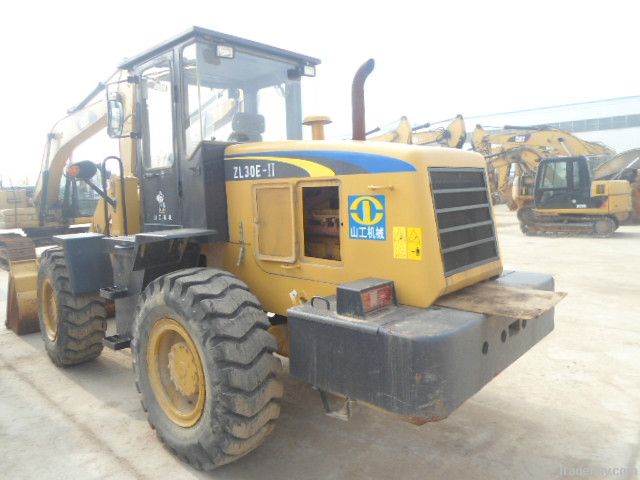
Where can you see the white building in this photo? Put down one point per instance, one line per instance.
(614, 121)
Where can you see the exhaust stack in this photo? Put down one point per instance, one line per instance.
(357, 99)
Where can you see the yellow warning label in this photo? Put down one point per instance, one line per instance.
(414, 243)
(399, 242)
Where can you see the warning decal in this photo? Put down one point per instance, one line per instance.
(414, 243)
(407, 243)
(399, 242)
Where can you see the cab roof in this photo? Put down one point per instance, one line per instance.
(203, 33)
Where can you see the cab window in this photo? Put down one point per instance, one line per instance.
(555, 175)
(246, 97)
(156, 92)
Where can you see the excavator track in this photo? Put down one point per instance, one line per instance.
(597, 226)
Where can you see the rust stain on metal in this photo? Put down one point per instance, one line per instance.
(438, 405)
(419, 421)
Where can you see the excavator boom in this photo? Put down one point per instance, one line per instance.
(453, 135)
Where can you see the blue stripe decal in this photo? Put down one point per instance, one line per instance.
(372, 162)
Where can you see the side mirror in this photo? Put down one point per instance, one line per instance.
(115, 115)
(83, 170)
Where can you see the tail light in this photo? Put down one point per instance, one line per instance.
(362, 297)
(376, 298)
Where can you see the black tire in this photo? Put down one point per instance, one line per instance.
(80, 322)
(229, 330)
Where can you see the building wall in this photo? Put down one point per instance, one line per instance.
(614, 122)
(620, 139)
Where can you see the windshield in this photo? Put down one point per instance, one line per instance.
(595, 161)
(76, 198)
(245, 98)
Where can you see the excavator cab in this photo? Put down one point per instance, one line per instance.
(77, 200)
(565, 183)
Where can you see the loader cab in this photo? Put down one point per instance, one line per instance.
(564, 183)
(197, 94)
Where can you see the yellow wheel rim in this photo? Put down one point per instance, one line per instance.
(50, 310)
(175, 372)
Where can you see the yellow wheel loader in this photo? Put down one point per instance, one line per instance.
(373, 266)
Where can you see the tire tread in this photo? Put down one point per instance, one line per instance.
(82, 318)
(233, 331)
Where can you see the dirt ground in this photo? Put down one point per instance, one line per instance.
(569, 408)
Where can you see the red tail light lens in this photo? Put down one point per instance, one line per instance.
(361, 297)
(377, 298)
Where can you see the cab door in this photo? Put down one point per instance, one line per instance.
(552, 185)
(580, 184)
(159, 170)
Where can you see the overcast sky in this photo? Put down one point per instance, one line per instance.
(433, 59)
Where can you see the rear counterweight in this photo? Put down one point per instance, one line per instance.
(415, 362)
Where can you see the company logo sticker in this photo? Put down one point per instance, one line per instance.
(367, 217)
(162, 215)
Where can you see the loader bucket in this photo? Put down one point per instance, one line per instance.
(22, 301)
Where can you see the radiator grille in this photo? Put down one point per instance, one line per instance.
(463, 211)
